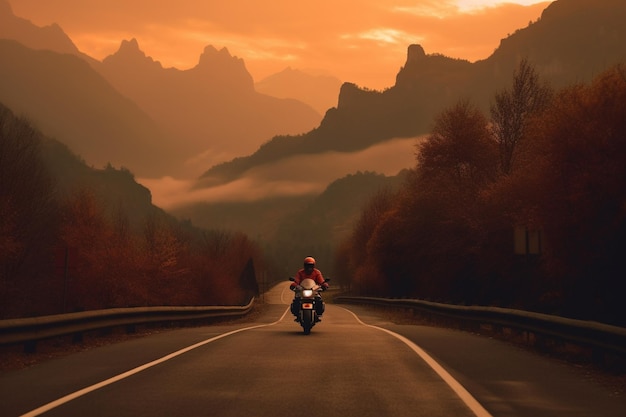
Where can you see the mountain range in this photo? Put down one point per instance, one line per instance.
(212, 108)
(572, 41)
(159, 121)
(183, 120)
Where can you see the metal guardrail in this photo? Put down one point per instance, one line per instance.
(602, 338)
(33, 329)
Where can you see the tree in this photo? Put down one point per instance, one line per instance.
(432, 220)
(458, 157)
(513, 109)
(578, 157)
(356, 258)
(87, 235)
(225, 267)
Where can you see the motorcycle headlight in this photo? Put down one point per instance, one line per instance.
(307, 293)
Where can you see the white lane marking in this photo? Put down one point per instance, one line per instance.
(283, 292)
(80, 393)
(456, 386)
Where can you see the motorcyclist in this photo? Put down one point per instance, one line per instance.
(308, 271)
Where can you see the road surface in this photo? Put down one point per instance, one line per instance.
(354, 363)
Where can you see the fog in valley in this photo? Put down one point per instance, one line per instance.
(297, 175)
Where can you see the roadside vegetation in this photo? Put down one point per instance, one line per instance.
(67, 244)
(522, 208)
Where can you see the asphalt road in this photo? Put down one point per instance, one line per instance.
(354, 363)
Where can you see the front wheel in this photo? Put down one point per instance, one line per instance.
(307, 321)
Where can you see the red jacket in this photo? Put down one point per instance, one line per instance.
(316, 276)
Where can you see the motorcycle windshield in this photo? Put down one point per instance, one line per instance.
(308, 284)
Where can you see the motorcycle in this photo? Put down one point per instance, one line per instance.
(307, 304)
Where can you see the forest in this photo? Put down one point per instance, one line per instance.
(63, 248)
(524, 207)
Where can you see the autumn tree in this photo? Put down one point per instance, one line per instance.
(354, 259)
(164, 251)
(432, 220)
(86, 234)
(226, 258)
(448, 233)
(457, 159)
(577, 167)
(513, 109)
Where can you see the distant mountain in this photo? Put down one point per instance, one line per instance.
(571, 42)
(318, 91)
(296, 224)
(213, 107)
(49, 37)
(116, 188)
(211, 112)
(52, 165)
(66, 99)
(326, 220)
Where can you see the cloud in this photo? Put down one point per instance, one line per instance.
(298, 175)
(385, 36)
(438, 9)
(471, 6)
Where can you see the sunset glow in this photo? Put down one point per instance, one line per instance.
(364, 42)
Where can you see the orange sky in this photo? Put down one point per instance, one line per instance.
(361, 41)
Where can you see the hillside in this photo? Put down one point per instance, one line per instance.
(66, 99)
(75, 238)
(289, 226)
(116, 189)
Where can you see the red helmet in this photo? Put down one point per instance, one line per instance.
(309, 261)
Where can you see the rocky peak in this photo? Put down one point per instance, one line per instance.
(415, 58)
(212, 56)
(420, 68)
(351, 96)
(130, 47)
(415, 53)
(130, 55)
(225, 69)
